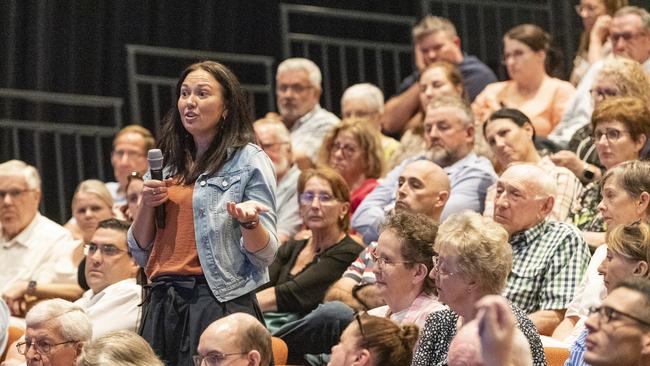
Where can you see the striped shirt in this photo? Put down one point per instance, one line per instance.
(577, 352)
(548, 262)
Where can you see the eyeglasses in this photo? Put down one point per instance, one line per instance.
(129, 154)
(41, 347)
(107, 250)
(608, 314)
(626, 36)
(611, 134)
(603, 93)
(383, 262)
(347, 150)
(306, 198)
(13, 193)
(357, 316)
(440, 271)
(297, 88)
(214, 359)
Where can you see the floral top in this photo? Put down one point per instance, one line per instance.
(586, 216)
(440, 329)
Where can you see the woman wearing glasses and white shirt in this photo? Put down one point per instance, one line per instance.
(304, 269)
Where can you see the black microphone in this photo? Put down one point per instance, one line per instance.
(155, 158)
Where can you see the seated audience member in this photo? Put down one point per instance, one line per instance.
(121, 348)
(449, 130)
(134, 186)
(367, 101)
(5, 315)
(511, 135)
(474, 260)
(531, 89)
(621, 127)
(129, 154)
(618, 330)
(435, 39)
(353, 149)
(91, 203)
(298, 91)
(549, 257)
(423, 189)
(303, 270)
(31, 242)
(375, 341)
(56, 333)
(236, 336)
(113, 301)
(594, 40)
(627, 201)
(619, 77)
(275, 140)
(627, 20)
(491, 339)
(439, 79)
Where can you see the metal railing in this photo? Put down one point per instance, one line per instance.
(62, 152)
(346, 58)
(481, 24)
(167, 63)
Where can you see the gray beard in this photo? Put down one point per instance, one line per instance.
(442, 157)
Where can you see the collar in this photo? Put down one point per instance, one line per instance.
(306, 117)
(530, 235)
(469, 159)
(23, 237)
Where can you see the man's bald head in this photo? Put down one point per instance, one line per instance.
(238, 333)
(423, 187)
(524, 197)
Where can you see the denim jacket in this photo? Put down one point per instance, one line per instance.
(230, 270)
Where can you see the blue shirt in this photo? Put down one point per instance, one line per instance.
(577, 352)
(469, 178)
(230, 270)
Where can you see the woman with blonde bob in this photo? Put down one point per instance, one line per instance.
(374, 341)
(119, 348)
(474, 260)
(353, 149)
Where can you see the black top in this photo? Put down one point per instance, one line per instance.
(302, 292)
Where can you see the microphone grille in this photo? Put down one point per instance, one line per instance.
(155, 158)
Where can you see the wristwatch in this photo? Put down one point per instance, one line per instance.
(587, 174)
(31, 288)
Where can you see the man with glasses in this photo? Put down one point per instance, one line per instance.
(618, 331)
(629, 33)
(548, 257)
(275, 140)
(298, 91)
(55, 335)
(129, 155)
(30, 242)
(238, 340)
(113, 301)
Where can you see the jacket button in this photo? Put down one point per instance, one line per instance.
(203, 183)
(224, 183)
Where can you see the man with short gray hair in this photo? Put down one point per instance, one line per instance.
(298, 90)
(30, 242)
(56, 332)
(549, 257)
(449, 132)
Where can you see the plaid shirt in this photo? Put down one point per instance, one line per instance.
(548, 262)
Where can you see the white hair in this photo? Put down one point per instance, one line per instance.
(302, 64)
(545, 183)
(370, 93)
(278, 127)
(13, 168)
(71, 319)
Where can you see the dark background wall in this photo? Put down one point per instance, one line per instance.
(78, 46)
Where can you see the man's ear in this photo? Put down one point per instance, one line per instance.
(254, 358)
(547, 206)
(443, 196)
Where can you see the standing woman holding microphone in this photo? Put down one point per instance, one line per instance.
(219, 234)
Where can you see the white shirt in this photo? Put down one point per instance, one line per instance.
(34, 252)
(114, 308)
(308, 132)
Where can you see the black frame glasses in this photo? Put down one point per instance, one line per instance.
(357, 316)
(608, 313)
(611, 134)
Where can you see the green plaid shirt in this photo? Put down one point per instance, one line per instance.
(548, 262)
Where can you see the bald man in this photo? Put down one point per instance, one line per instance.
(238, 338)
(549, 257)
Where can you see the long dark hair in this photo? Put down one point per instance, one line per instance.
(233, 132)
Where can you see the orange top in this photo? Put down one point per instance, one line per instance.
(174, 250)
